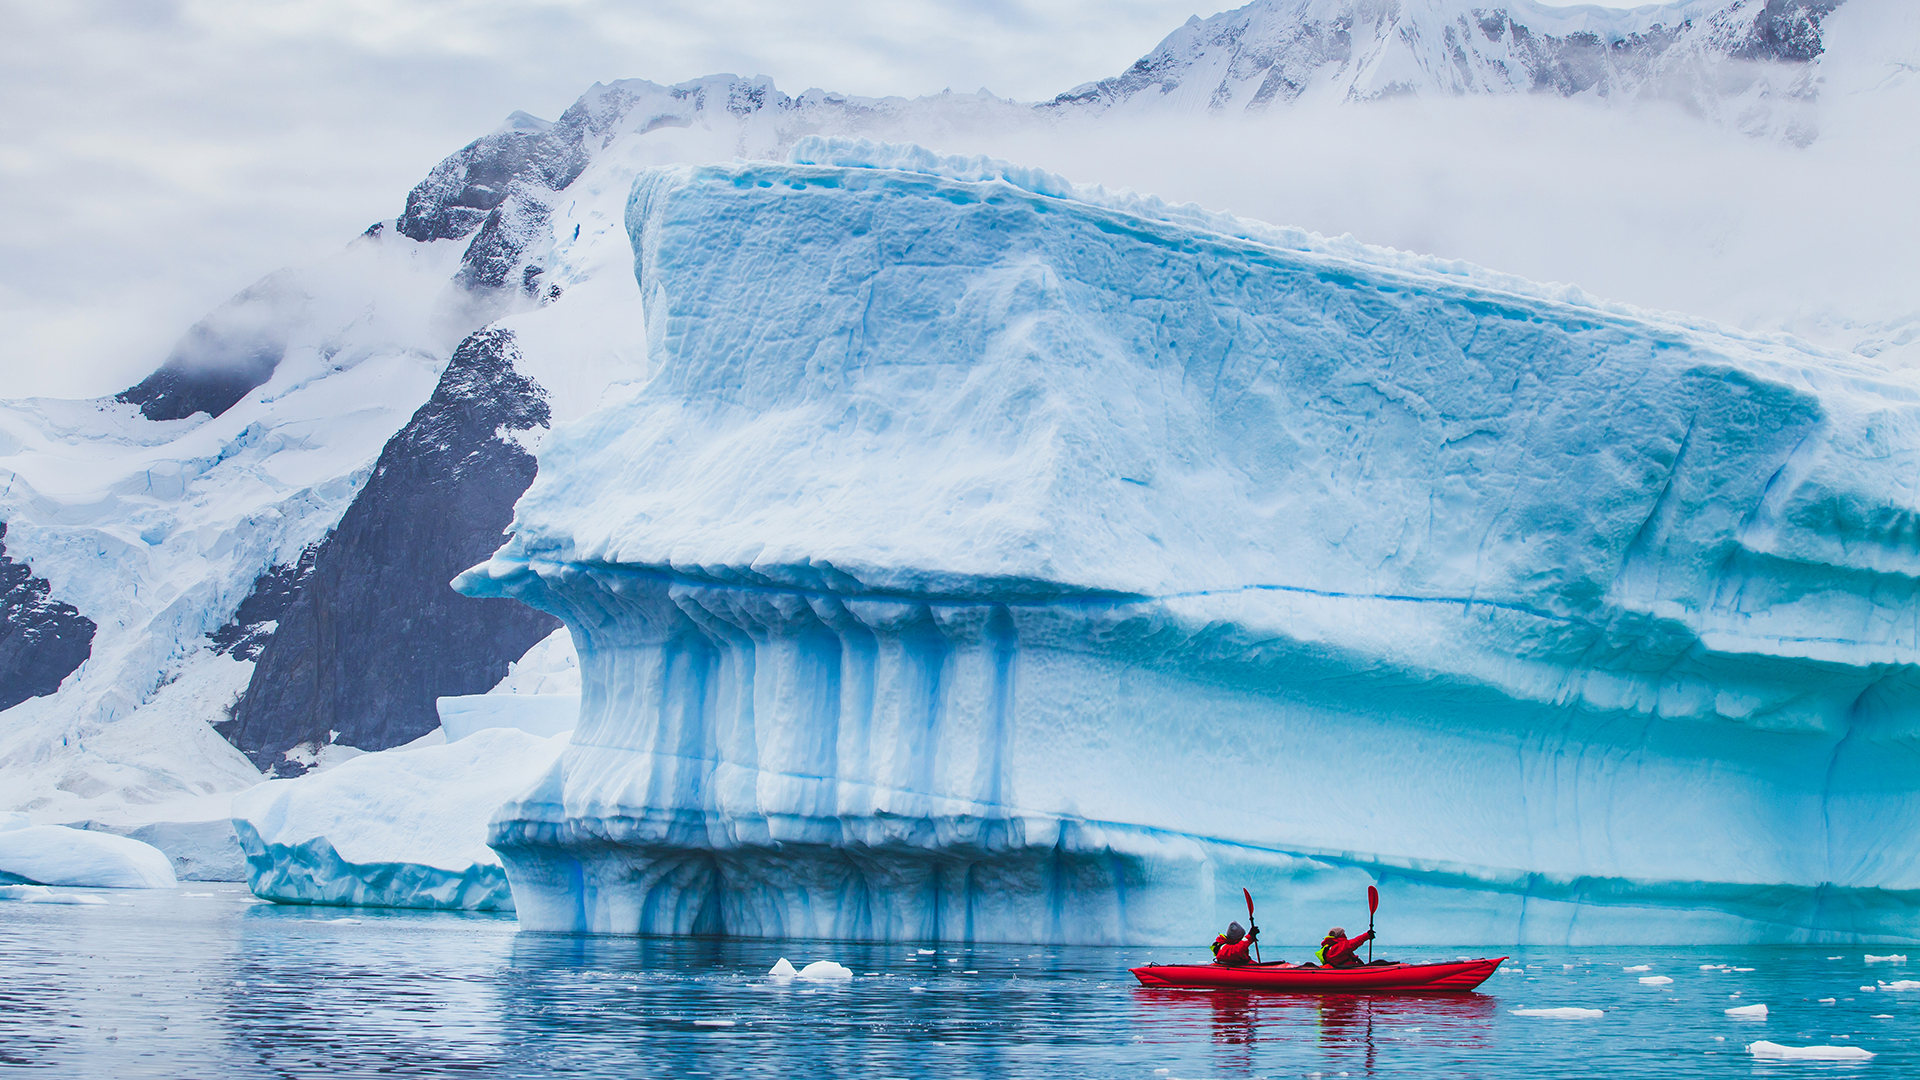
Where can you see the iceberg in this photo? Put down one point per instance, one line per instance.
(400, 828)
(993, 558)
(56, 855)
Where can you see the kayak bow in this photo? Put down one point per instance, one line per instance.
(1457, 977)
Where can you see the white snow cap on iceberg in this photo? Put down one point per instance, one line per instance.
(57, 855)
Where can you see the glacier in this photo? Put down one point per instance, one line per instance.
(988, 557)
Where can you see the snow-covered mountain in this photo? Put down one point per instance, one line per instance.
(259, 534)
(1747, 62)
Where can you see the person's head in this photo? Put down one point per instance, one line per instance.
(1336, 933)
(1235, 932)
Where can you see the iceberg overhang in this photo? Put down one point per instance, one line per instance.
(993, 558)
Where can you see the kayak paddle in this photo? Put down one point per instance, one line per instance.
(1256, 941)
(1373, 905)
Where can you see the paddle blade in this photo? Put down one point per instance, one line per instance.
(1249, 896)
(1373, 900)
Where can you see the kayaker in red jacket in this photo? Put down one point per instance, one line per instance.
(1337, 949)
(1231, 947)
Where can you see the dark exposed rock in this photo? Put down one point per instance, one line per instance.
(374, 634)
(224, 356)
(252, 626)
(42, 640)
(1785, 30)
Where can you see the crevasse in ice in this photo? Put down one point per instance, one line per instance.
(993, 558)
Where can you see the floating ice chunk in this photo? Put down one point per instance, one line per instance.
(1654, 980)
(782, 969)
(714, 1023)
(1836, 958)
(826, 971)
(1638, 967)
(1867, 989)
(1713, 967)
(343, 922)
(924, 952)
(57, 855)
(1900, 984)
(1827, 1001)
(1896, 958)
(1748, 1012)
(1881, 1016)
(1776, 1052)
(40, 894)
(1564, 1013)
(1742, 969)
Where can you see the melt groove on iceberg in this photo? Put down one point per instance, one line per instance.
(984, 548)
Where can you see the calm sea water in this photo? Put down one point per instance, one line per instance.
(204, 982)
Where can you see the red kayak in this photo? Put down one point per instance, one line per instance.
(1282, 976)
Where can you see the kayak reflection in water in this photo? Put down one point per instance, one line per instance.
(1337, 949)
(1232, 947)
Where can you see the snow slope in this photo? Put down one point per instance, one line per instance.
(994, 558)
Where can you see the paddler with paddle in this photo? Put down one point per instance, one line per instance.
(1337, 949)
(1231, 947)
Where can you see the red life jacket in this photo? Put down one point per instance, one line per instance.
(1232, 953)
(1336, 952)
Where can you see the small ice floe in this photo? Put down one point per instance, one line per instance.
(1770, 1051)
(970, 972)
(1638, 967)
(1900, 984)
(342, 922)
(826, 971)
(925, 952)
(1715, 967)
(1719, 1038)
(40, 894)
(1748, 1012)
(917, 989)
(1828, 1001)
(1895, 958)
(713, 1023)
(1836, 958)
(1740, 969)
(1563, 1013)
(1868, 989)
(1881, 1016)
(1654, 980)
(782, 969)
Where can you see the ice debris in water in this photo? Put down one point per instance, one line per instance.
(924, 952)
(1748, 1012)
(1776, 1052)
(1896, 958)
(716, 1023)
(1836, 958)
(1638, 967)
(783, 970)
(826, 971)
(40, 894)
(1881, 1016)
(1654, 980)
(1828, 1001)
(1900, 984)
(1566, 1013)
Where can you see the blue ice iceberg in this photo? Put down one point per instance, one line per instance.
(992, 558)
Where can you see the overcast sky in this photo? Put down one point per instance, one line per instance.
(157, 156)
